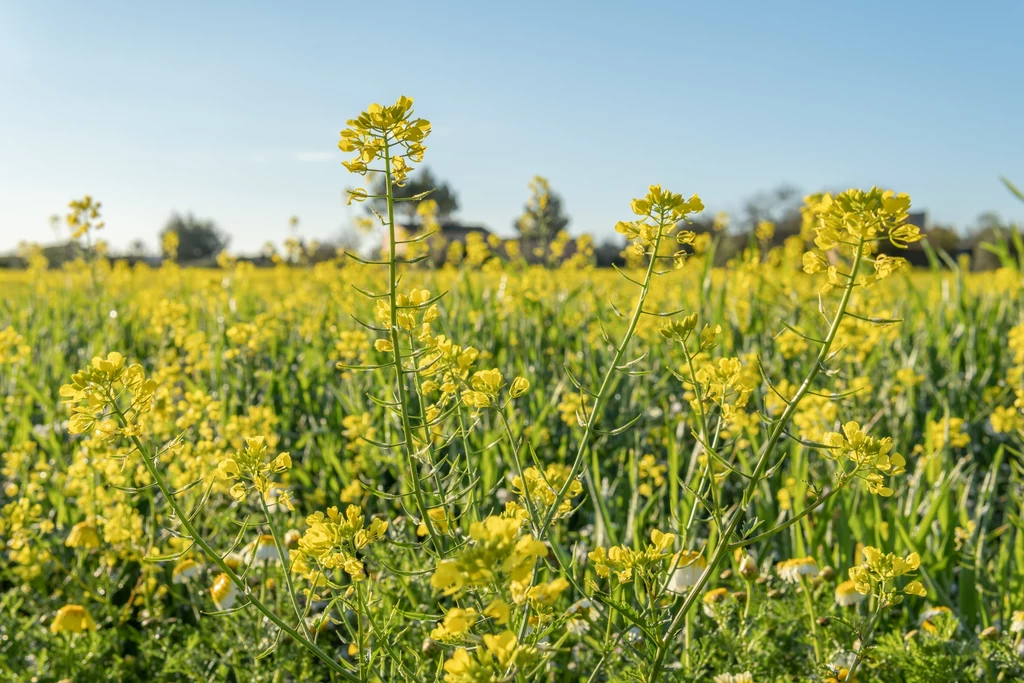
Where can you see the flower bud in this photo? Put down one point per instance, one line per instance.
(748, 568)
(520, 385)
(991, 633)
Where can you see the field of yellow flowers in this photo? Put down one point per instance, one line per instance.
(805, 466)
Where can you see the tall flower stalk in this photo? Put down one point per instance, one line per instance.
(389, 135)
(659, 214)
(849, 224)
(95, 395)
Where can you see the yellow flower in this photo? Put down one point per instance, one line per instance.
(848, 595)
(879, 571)
(540, 488)
(72, 619)
(662, 541)
(12, 348)
(499, 611)
(448, 577)
(1017, 621)
(460, 667)
(1006, 420)
(185, 571)
(333, 539)
(948, 432)
(281, 463)
(520, 385)
(502, 646)
(83, 535)
(794, 569)
(456, 623)
(380, 128)
(439, 520)
(223, 592)
(84, 216)
(496, 550)
(874, 457)
(540, 595)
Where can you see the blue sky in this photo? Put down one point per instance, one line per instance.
(232, 110)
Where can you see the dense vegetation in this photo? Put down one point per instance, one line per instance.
(803, 463)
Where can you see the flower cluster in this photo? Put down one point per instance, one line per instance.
(651, 475)
(873, 457)
(458, 621)
(854, 221)
(84, 216)
(878, 572)
(489, 663)
(374, 134)
(485, 387)
(725, 382)
(864, 214)
(1010, 419)
(497, 551)
(251, 464)
(627, 563)
(659, 214)
(13, 348)
(414, 313)
(539, 488)
(333, 540)
(100, 386)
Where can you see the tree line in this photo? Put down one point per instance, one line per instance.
(543, 219)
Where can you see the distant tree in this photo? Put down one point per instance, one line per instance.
(197, 238)
(992, 232)
(420, 181)
(609, 252)
(779, 206)
(542, 217)
(348, 239)
(990, 221)
(137, 249)
(943, 237)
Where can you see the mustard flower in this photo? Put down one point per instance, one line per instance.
(72, 619)
(83, 535)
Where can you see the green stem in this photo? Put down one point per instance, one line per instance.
(282, 552)
(517, 461)
(723, 546)
(746, 603)
(688, 636)
(864, 642)
(403, 390)
(796, 518)
(809, 604)
(219, 561)
(602, 393)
